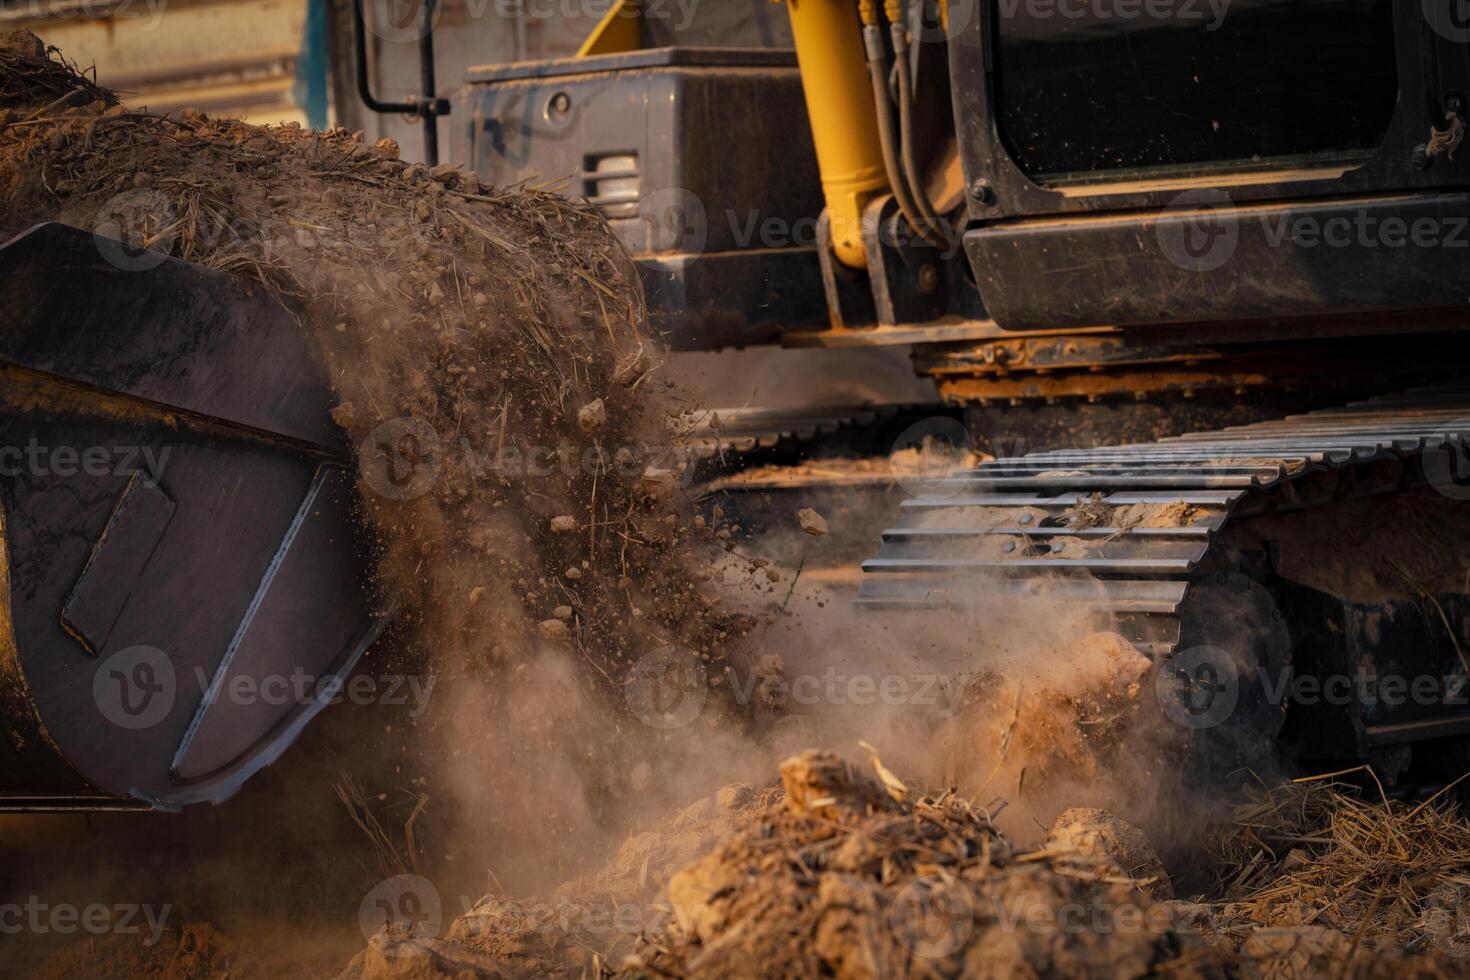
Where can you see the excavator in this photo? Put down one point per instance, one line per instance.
(1205, 261)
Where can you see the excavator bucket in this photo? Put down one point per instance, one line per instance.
(183, 579)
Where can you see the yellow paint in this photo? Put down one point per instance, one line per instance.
(839, 101)
(619, 31)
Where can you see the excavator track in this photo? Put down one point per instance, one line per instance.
(1133, 536)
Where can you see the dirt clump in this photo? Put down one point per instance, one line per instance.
(1095, 840)
(812, 522)
(858, 884)
(1085, 515)
(1095, 512)
(1175, 513)
(1060, 730)
(825, 785)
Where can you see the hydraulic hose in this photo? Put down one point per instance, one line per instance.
(878, 67)
(917, 192)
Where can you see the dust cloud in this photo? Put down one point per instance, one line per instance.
(602, 648)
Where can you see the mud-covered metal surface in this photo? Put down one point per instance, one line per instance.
(178, 515)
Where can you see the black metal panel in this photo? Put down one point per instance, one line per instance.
(693, 295)
(1433, 68)
(1283, 261)
(116, 565)
(674, 145)
(286, 644)
(149, 498)
(1070, 273)
(107, 324)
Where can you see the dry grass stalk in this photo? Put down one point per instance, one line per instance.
(1321, 854)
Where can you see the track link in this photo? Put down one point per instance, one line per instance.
(1058, 523)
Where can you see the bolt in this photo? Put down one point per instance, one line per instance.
(928, 279)
(983, 193)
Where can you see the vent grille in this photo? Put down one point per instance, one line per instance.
(614, 183)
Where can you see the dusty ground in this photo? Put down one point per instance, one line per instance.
(847, 872)
(539, 820)
(843, 869)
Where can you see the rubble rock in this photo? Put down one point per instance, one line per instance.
(812, 522)
(592, 416)
(823, 784)
(553, 629)
(1109, 847)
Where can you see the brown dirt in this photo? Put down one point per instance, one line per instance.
(838, 877)
(588, 922)
(197, 950)
(1095, 840)
(1048, 737)
(1095, 512)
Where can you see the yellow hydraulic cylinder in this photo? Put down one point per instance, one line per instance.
(839, 100)
(618, 32)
